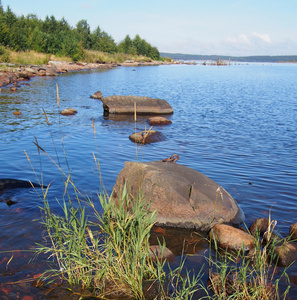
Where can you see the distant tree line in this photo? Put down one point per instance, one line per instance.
(57, 37)
(255, 58)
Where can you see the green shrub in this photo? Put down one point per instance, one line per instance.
(4, 54)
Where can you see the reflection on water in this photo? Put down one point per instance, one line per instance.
(237, 125)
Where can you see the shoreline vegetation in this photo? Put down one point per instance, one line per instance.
(26, 64)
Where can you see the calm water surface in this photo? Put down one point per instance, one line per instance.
(236, 124)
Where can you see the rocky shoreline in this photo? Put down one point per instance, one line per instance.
(12, 74)
(15, 73)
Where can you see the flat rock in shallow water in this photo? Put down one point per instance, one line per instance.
(182, 196)
(142, 105)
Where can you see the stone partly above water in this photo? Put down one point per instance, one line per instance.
(146, 137)
(97, 95)
(182, 196)
(68, 112)
(131, 104)
(228, 237)
(156, 121)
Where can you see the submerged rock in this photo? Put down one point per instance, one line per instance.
(132, 104)
(9, 183)
(182, 196)
(161, 253)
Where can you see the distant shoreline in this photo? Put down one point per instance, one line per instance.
(259, 58)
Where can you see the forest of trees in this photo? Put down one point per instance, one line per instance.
(21, 33)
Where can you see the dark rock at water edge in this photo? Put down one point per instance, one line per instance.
(9, 183)
(182, 196)
(134, 104)
(260, 226)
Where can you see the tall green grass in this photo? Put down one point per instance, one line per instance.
(111, 255)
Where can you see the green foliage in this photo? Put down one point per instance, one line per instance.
(58, 38)
(4, 54)
(138, 46)
(103, 42)
(84, 33)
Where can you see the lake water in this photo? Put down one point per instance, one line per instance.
(236, 124)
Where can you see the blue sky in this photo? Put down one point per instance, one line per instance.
(223, 27)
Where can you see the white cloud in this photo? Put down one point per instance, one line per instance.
(262, 37)
(243, 38)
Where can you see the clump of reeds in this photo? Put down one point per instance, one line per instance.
(112, 255)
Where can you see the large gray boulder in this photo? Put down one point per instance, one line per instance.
(182, 196)
(128, 104)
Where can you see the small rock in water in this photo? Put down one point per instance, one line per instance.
(13, 88)
(17, 113)
(146, 137)
(260, 225)
(68, 112)
(153, 121)
(228, 237)
(286, 253)
(97, 95)
(9, 202)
